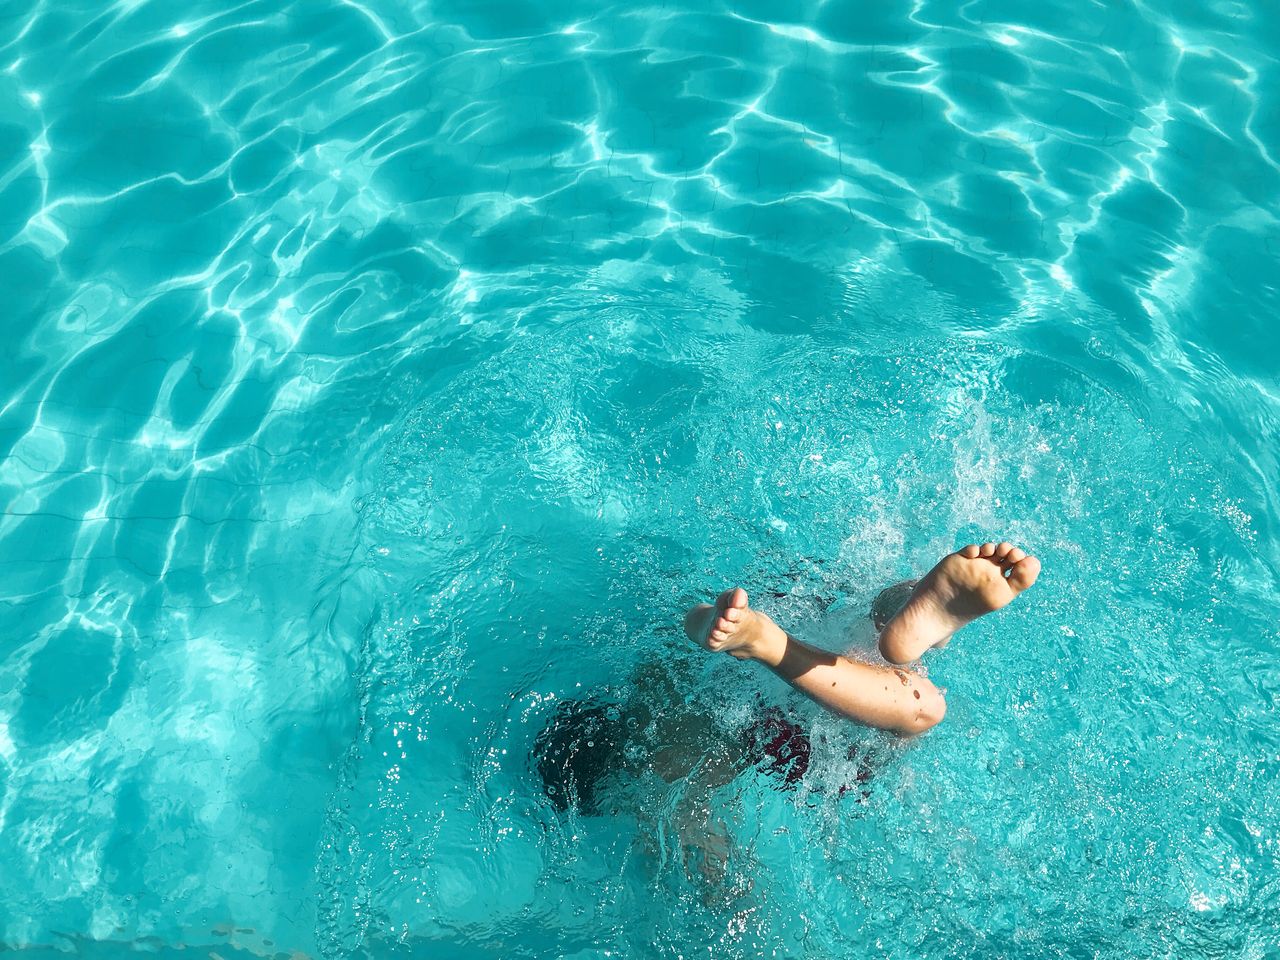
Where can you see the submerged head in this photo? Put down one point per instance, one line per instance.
(583, 742)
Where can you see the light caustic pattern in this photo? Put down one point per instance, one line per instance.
(377, 376)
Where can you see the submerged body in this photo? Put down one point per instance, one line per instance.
(592, 749)
(603, 756)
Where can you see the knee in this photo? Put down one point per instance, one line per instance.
(695, 622)
(929, 712)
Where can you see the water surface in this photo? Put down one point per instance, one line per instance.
(376, 376)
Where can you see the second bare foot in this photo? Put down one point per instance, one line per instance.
(965, 585)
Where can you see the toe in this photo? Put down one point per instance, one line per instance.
(1024, 573)
(738, 599)
(969, 552)
(1016, 555)
(1002, 550)
(987, 549)
(734, 614)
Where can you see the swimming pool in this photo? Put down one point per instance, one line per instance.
(378, 376)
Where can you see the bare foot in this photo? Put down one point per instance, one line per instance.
(963, 586)
(732, 627)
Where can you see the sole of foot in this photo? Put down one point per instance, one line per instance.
(970, 583)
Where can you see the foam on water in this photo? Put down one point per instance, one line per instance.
(378, 376)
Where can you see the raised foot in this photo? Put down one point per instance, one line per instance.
(731, 626)
(973, 581)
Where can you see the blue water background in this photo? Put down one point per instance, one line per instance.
(375, 375)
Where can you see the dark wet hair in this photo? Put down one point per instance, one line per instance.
(583, 742)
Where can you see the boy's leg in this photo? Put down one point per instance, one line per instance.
(964, 585)
(884, 697)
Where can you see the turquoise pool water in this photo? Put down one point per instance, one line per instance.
(376, 376)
